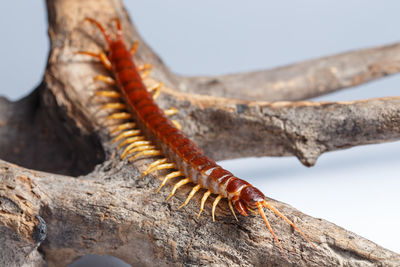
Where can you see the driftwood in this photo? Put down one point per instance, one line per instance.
(93, 203)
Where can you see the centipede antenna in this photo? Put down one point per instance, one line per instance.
(101, 28)
(277, 212)
(261, 210)
(119, 28)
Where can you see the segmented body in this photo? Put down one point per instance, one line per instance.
(145, 130)
(173, 143)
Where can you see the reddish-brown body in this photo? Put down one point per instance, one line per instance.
(172, 143)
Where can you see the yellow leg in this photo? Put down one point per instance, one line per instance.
(233, 211)
(119, 116)
(203, 201)
(155, 87)
(105, 79)
(215, 203)
(156, 93)
(125, 134)
(131, 140)
(113, 106)
(112, 94)
(146, 153)
(153, 165)
(122, 127)
(171, 111)
(177, 124)
(134, 48)
(145, 67)
(253, 211)
(133, 145)
(136, 149)
(177, 185)
(163, 166)
(191, 194)
(101, 56)
(168, 177)
(145, 74)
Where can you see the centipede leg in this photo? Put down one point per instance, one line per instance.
(155, 89)
(215, 203)
(203, 201)
(134, 48)
(119, 116)
(137, 149)
(152, 152)
(177, 124)
(106, 79)
(108, 93)
(191, 194)
(122, 127)
(125, 134)
(232, 210)
(163, 166)
(177, 185)
(145, 74)
(153, 165)
(168, 177)
(131, 140)
(113, 106)
(145, 67)
(134, 144)
(101, 56)
(171, 111)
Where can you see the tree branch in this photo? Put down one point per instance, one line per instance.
(302, 80)
(304, 129)
(110, 211)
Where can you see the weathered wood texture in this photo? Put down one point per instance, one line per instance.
(302, 80)
(104, 209)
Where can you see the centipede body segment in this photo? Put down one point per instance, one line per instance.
(144, 130)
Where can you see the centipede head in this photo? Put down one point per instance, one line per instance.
(253, 199)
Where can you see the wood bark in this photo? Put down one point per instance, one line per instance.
(93, 203)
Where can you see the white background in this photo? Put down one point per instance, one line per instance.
(357, 188)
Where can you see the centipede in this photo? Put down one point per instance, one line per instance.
(144, 130)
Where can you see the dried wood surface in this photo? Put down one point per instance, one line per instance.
(93, 203)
